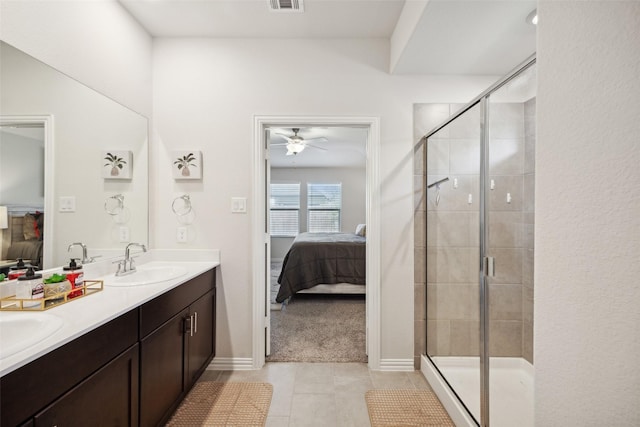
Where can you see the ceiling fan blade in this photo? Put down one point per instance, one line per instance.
(319, 138)
(316, 147)
(280, 143)
(284, 136)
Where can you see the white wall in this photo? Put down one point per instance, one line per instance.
(353, 210)
(96, 42)
(206, 93)
(22, 168)
(587, 242)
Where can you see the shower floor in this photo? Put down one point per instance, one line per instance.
(510, 385)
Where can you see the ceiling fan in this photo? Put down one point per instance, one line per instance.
(295, 143)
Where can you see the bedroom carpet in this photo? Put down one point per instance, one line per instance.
(224, 404)
(406, 408)
(319, 328)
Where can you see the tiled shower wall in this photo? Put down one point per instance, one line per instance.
(451, 245)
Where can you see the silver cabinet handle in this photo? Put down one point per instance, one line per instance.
(191, 328)
(195, 323)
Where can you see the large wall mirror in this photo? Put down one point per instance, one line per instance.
(73, 165)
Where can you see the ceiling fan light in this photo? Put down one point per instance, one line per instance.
(294, 148)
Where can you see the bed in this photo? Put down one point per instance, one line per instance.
(324, 260)
(25, 237)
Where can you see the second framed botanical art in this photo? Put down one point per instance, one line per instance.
(187, 164)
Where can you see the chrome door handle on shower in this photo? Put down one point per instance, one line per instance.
(489, 266)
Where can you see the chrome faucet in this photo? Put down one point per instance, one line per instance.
(123, 269)
(85, 257)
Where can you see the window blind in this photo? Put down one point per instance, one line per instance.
(324, 202)
(284, 218)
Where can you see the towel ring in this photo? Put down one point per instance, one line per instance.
(181, 206)
(114, 204)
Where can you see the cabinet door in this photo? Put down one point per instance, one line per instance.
(161, 370)
(201, 336)
(109, 397)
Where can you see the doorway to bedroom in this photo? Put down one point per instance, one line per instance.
(316, 277)
(317, 227)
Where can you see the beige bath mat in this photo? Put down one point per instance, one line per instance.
(224, 404)
(406, 408)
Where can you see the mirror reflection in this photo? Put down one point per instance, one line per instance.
(65, 150)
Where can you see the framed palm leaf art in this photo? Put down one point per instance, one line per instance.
(117, 164)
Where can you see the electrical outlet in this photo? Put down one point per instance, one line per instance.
(123, 234)
(181, 235)
(67, 204)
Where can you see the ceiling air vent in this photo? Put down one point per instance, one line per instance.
(286, 5)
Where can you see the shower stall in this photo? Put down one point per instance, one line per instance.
(479, 196)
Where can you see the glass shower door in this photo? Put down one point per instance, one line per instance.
(453, 254)
(510, 222)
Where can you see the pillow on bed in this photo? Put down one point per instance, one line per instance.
(30, 227)
(361, 230)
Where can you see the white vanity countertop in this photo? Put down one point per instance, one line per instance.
(92, 311)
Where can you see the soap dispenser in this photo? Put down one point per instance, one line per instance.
(30, 287)
(75, 276)
(17, 270)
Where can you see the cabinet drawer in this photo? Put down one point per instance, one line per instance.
(154, 313)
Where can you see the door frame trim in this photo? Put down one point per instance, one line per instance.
(259, 152)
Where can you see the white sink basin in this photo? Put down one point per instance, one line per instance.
(146, 276)
(19, 331)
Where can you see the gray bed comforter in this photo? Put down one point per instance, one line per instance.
(327, 258)
(27, 250)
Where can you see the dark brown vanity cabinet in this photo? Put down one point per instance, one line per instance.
(72, 384)
(107, 398)
(177, 343)
(134, 370)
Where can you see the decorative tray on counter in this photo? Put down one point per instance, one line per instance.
(89, 287)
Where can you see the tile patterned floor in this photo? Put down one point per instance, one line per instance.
(320, 394)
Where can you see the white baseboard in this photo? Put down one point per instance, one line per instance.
(396, 365)
(231, 364)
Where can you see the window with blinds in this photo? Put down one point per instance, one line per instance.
(284, 218)
(324, 202)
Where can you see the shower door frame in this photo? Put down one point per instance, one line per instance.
(484, 262)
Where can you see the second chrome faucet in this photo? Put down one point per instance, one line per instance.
(85, 257)
(127, 265)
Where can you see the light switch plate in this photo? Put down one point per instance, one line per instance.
(239, 205)
(67, 204)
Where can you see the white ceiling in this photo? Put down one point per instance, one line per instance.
(345, 147)
(252, 18)
(479, 37)
(36, 132)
